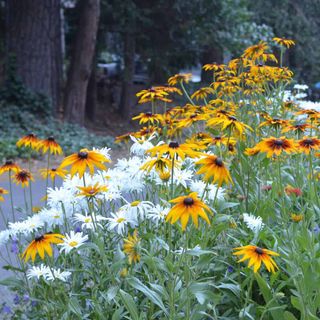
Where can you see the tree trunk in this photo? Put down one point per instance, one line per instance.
(91, 99)
(213, 54)
(127, 83)
(81, 61)
(33, 38)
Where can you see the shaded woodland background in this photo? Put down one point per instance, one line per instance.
(82, 61)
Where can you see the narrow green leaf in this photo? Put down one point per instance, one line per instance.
(129, 304)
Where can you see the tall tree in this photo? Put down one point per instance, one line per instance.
(33, 38)
(81, 60)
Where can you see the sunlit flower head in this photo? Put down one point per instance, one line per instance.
(92, 190)
(119, 221)
(202, 93)
(254, 223)
(22, 177)
(296, 217)
(290, 190)
(131, 247)
(88, 221)
(49, 145)
(297, 128)
(148, 117)
(53, 173)
(41, 245)
(275, 146)
(150, 95)
(176, 150)
(160, 164)
(256, 255)
(9, 165)
(214, 169)
(179, 78)
(284, 42)
(186, 207)
(84, 159)
(29, 141)
(307, 144)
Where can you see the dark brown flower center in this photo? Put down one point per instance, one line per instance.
(148, 114)
(258, 250)
(308, 142)
(83, 155)
(39, 238)
(92, 191)
(23, 174)
(219, 162)
(232, 118)
(278, 142)
(53, 169)
(217, 138)
(51, 138)
(174, 145)
(193, 116)
(9, 162)
(188, 201)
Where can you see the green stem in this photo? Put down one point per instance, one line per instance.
(30, 186)
(11, 197)
(48, 164)
(186, 93)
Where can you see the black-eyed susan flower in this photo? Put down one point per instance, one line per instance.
(229, 123)
(186, 207)
(175, 150)
(84, 159)
(9, 165)
(213, 67)
(307, 144)
(275, 146)
(251, 151)
(160, 164)
(2, 192)
(150, 95)
(256, 51)
(41, 245)
(148, 117)
(124, 137)
(22, 177)
(187, 122)
(29, 141)
(202, 93)
(256, 255)
(284, 42)
(91, 191)
(214, 169)
(310, 113)
(53, 173)
(179, 78)
(274, 122)
(49, 145)
(297, 128)
(131, 247)
(165, 176)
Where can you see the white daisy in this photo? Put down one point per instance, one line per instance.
(58, 274)
(136, 209)
(52, 217)
(157, 213)
(88, 221)
(104, 151)
(37, 272)
(72, 241)
(119, 221)
(181, 177)
(140, 146)
(253, 223)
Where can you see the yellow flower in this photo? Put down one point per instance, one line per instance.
(284, 42)
(22, 177)
(53, 173)
(251, 151)
(179, 78)
(256, 51)
(175, 150)
(160, 164)
(296, 217)
(202, 93)
(83, 159)
(91, 191)
(274, 146)
(165, 176)
(2, 192)
(297, 128)
(306, 144)
(148, 117)
(213, 67)
(41, 245)
(29, 140)
(131, 247)
(256, 255)
(152, 94)
(229, 122)
(50, 145)
(185, 207)
(214, 168)
(9, 165)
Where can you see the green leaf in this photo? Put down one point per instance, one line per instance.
(288, 316)
(296, 303)
(129, 304)
(152, 295)
(75, 307)
(235, 289)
